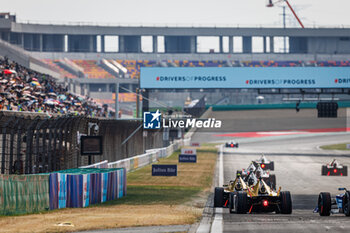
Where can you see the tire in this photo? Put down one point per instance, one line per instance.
(286, 202)
(219, 197)
(231, 195)
(345, 172)
(241, 202)
(346, 203)
(324, 204)
(236, 145)
(273, 181)
(272, 166)
(324, 170)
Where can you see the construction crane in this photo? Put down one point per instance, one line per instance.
(271, 4)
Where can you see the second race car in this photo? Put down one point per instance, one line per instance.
(264, 163)
(327, 205)
(334, 169)
(231, 144)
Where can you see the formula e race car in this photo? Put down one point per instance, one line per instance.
(260, 198)
(334, 169)
(339, 204)
(231, 144)
(221, 194)
(264, 163)
(247, 175)
(241, 198)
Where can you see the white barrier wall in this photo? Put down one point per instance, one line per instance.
(151, 156)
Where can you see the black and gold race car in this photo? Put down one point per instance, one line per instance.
(221, 194)
(247, 175)
(242, 198)
(260, 198)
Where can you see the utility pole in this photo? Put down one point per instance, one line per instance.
(117, 100)
(137, 103)
(284, 27)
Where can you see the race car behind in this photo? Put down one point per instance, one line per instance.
(327, 205)
(264, 163)
(269, 178)
(231, 144)
(221, 194)
(334, 169)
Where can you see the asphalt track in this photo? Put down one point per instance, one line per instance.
(298, 163)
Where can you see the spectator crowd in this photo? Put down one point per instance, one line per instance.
(22, 89)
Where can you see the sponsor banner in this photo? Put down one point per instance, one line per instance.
(120, 183)
(62, 190)
(53, 191)
(186, 151)
(164, 170)
(245, 77)
(104, 184)
(195, 144)
(187, 158)
(86, 188)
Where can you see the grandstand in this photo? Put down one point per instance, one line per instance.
(79, 54)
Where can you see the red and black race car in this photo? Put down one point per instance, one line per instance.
(264, 163)
(334, 169)
(231, 144)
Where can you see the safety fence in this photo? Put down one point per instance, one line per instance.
(32, 143)
(21, 194)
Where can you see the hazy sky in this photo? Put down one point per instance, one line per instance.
(181, 12)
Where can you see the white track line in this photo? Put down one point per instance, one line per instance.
(217, 226)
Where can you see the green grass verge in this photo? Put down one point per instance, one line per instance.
(210, 144)
(145, 194)
(144, 189)
(335, 147)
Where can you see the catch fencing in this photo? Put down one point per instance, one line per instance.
(32, 143)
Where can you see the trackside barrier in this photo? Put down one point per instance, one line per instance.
(81, 187)
(22, 194)
(149, 157)
(103, 164)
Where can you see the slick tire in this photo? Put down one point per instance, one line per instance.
(219, 197)
(324, 204)
(231, 200)
(345, 170)
(286, 202)
(241, 202)
(324, 170)
(236, 145)
(346, 203)
(272, 166)
(273, 181)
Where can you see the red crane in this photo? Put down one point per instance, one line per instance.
(271, 4)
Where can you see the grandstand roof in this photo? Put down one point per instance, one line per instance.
(168, 31)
